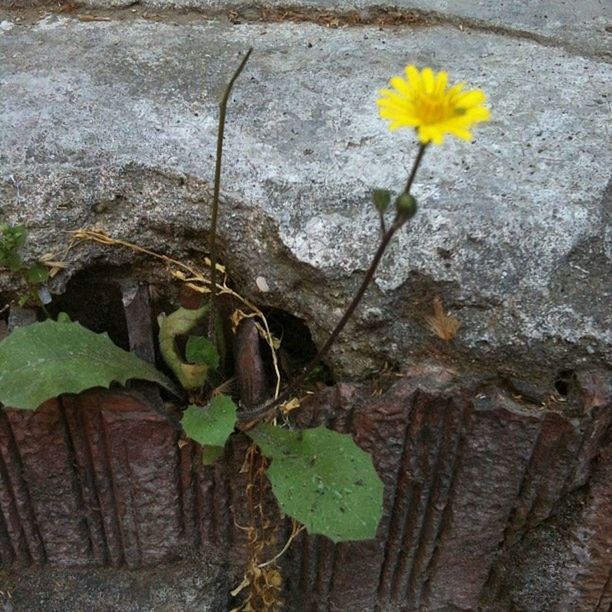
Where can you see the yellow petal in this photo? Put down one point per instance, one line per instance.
(423, 100)
(414, 77)
(471, 98)
(428, 80)
(401, 86)
(460, 133)
(480, 113)
(455, 90)
(441, 83)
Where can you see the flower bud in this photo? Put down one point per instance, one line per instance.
(406, 206)
(381, 199)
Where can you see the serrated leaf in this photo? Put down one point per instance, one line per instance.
(201, 350)
(322, 479)
(210, 426)
(44, 360)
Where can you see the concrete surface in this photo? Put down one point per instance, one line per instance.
(511, 231)
(583, 25)
(109, 117)
(189, 586)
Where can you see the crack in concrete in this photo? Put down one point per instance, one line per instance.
(236, 14)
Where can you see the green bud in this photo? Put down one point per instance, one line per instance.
(381, 199)
(406, 206)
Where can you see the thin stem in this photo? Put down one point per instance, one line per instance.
(42, 306)
(383, 226)
(216, 192)
(296, 383)
(270, 407)
(350, 310)
(415, 167)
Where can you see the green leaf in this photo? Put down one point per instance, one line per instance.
(210, 426)
(44, 360)
(13, 237)
(17, 235)
(37, 274)
(181, 321)
(201, 350)
(13, 262)
(322, 479)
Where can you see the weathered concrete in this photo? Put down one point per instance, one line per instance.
(189, 586)
(113, 124)
(583, 26)
(497, 496)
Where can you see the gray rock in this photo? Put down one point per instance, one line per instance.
(581, 26)
(113, 124)
(193, 586)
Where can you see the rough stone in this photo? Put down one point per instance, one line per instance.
(192, 586)
(113, 125)
(487, 505)
(583, 27)
(494, 460)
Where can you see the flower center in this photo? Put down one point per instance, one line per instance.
(432, 110)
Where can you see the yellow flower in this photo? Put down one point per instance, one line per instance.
(424, 101)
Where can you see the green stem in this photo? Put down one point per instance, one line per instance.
(415, 167)
(271, 407)
(44, 309)
(216, 192)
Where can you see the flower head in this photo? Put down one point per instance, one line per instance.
(424, 101)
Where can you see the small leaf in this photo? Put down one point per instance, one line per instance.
(13, 262)
(37, 274)
(18, 235)
(201, 350)
(44, 360)
(63, 317)
(181, 321)
(210, 426)
(12, 237)
(322, 479)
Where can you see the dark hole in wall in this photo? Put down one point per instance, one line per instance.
(297, 346)
(564, 382)
(94, 300)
